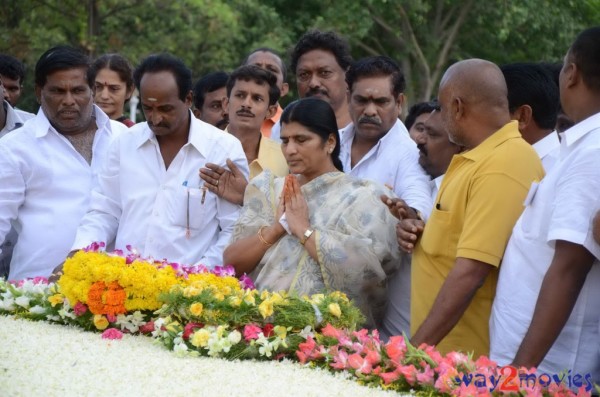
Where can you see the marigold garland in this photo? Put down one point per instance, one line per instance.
(106, 299)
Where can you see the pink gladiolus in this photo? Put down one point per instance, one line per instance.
(112, 333)
(308, 351)
(409, 372)
(331, 332)
(389, 377)
(373, 357)
(39, 280)
(426, 377)
(251, 332)
(79, 309)
(359, 363)
(396, 349)
(340, 360)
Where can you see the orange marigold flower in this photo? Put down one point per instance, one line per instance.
(106, 299)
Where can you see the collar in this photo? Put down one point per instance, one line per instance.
(547, 144)
(43, 126)
(391, 138)
(437, 182)
(197, 136)
(579, 130)
(12, 118)
(508, 131)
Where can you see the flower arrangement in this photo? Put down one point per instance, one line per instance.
(199, 312)
(236, 324)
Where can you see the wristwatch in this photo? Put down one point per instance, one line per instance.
(306, 236)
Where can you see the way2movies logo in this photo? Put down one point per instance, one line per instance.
(510, 379)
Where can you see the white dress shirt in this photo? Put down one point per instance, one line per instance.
(393, 161)
(13, 121)
(23, 115)
(163, 213)
(45, 186)
(548, 149)
(561, 207)
(276, 132)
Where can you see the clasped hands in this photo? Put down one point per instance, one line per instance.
(409, 228)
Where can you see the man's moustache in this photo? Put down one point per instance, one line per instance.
(369, 120)
(316, 91)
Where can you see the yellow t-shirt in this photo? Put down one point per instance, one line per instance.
(270, 157)
(477, 206)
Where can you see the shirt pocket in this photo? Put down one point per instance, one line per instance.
(188, 207)
(439, 238)
(536, 216)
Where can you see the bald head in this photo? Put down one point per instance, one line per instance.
(474, 102)
(477, 81)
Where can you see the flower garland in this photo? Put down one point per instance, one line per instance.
(197, 312)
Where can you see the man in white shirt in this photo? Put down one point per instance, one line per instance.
(48, 167)
(320, 60)
(546, 311)
(12, 72)
(533, 101)
(150, 195)
(376, 146)
(9, 121)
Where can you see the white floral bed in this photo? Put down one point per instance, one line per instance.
(42, 359)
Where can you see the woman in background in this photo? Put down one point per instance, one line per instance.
(113, 85)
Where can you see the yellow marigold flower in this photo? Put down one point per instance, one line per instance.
(56, 299)
(196, 309)
(100, 322)
(200, 338)
(334, 309)
(266, 308)
(280, 331)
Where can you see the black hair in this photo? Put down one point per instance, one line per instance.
(272, 51)
(165, 62)
(532, 84)
(327, 41)
(118, 64)
(585, 53)
(260, 76)
(12, 68)
(377, 66)
(208, 83)
(418, 109)
(318, 117)
(61, 58)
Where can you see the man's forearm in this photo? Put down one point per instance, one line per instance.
(465, 278)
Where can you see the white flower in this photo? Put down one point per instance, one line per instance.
(8, 304)
(180, 349)
(37, 309)
(235, 337)
(306, 332)
(22, 301)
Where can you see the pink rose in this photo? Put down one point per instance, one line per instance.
(251, 332)
(111, 318)
(190, 328)
(80, 309)
(112, 333)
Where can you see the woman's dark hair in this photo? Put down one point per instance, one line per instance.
(318, 117)
(118, 64)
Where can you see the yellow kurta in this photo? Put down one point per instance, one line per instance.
(480, 199)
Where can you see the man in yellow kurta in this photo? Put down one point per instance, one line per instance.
(455, 261)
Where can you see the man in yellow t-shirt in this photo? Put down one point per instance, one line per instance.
(456, 256)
